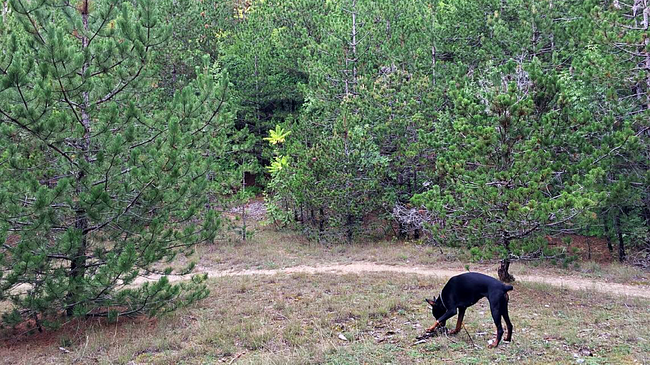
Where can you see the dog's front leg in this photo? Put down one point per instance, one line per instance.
(441, 321)
(433, 328)
(436, 325)
(459, 322)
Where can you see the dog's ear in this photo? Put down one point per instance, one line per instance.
(430, 301)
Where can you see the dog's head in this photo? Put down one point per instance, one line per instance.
(437, 309)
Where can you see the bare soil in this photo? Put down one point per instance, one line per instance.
(255, 210)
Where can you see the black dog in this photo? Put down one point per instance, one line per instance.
(465, 290)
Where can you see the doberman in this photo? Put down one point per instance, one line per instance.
(465, 290)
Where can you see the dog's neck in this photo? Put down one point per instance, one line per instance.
(441, 302)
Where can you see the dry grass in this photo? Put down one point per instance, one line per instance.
(298, 319)
(269, 249)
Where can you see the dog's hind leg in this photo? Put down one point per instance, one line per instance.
(506, 318)
(459, 322)
(497, 322)
(497, 306)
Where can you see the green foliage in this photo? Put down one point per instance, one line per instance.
(102, 180)
(390, 101)
(196, 29)
(344, 141)
(506, 157)
(277, 136)
(612, 68)
(120, 123)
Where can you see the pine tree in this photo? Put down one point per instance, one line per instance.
(101, 182)
(196, 28)
(507, 162)
(344, 138)
(618, 71)
(336, 160)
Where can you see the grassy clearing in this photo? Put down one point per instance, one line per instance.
(353, 319)
(269, 249)
(300, 319)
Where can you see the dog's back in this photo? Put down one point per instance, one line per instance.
(468, 288)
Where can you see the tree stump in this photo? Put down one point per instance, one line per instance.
(504, 275)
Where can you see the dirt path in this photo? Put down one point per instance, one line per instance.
(369, 267)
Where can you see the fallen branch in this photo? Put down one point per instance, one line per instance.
(468, 335)
(236, 357)
(423, 337)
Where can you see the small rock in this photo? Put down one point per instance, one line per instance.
(342, 337)
(586, 352)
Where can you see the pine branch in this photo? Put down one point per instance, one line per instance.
(128, 207)
(50, 145)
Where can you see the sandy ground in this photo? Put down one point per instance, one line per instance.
(368, 267)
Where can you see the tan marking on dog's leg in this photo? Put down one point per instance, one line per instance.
(433, 328)
(459, 322)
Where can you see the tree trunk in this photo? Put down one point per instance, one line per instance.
(243, 206)
(5, 11)
(349, 225)
(619, 233)
(608, 237)
(645, 8)
(433, 64)
(504, 275)
(78, 261)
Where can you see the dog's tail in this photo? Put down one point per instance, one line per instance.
(507, 288)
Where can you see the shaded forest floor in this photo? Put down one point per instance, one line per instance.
(351, 304)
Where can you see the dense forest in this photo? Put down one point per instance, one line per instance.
(128, 127)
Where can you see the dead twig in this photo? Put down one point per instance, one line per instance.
(236, 357)
(468, 335)
(423, 337)
(418, 342)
